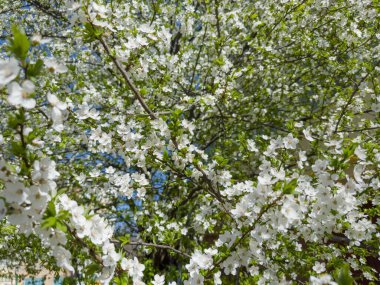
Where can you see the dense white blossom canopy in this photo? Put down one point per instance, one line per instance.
(191, 142)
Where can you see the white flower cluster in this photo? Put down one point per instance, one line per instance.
(19, 96)
(199, 261)
(22, 95)
(255, 173)
(9, 70)
(57, 112)
(95, 228)
(26, 205)
(134, 269)
(321, 208)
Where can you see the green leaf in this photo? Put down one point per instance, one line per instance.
(49, 222)
(61, 226)
(14, 120)
(343, 276)
(144, 91)
(51, 211)
(63, 215)
(19, 44)
(125, 239)
(35, 69)
(17, 148)
(31, 136)
(121, 280)
(166, 156)
(188, 172)
(60, 192)
(92, 268)
(91, 33)
(290, 187)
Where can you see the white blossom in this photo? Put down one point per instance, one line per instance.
(19, 96)
(158, 280)
(9, 70)
(55, 67)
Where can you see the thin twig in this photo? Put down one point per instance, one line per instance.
(349, 101)
(159, 246)
(128, 80)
